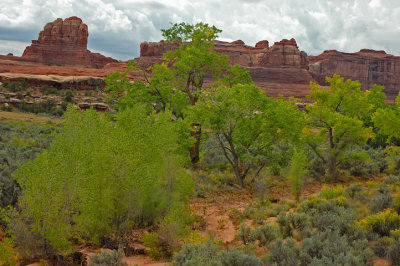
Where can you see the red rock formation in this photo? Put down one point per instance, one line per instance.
(368, 66)
(64, 42)
(282, 54)
(285, 53)
(279, 69)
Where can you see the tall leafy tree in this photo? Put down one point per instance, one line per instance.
(248, 125)
(176, 83)
(335, 121)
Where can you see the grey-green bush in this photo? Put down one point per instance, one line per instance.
(108, 258)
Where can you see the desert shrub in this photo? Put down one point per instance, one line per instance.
(15, 86)
(244, 233)
(43, 107)
(286, 254)
(299, 221)
(392, 179)
(395, 233)
(284, 225)
(69, 96)
(331, 193)
(392, 159)
(367, 162)
(8, 253)
(204, 254)
(379, 247)
(18, 144)
(381, 223)
(108, 258)
(353, 189)
(383, 201)
(288, 224)
(264, 234)
(213, 156)
(6, 107)
(47, 90)
(332, 248)
(235, 257)
(393, 252)
(329, 215)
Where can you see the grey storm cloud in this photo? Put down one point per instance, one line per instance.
(116, 28)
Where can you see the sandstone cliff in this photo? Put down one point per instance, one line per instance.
(368, 66)
(278, 69)
(64, 42)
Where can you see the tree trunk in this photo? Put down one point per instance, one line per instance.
(195, 149)
(332, 168)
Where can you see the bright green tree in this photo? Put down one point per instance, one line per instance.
(297, 171)
(101, 177)
(248, 125)
(176, 83)
(335, 121)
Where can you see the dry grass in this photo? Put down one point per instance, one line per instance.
(27, 118)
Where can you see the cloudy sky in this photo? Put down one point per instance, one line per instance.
(117, 27)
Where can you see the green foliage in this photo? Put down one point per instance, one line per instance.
(286, 254)
(381, 223)
(204, 254)
(393, 253)
(392, 158)
(235, 257)
(292, 222)
(47, 90)
(8, 254)
(115, 176)
(388, 122)
(264, 234)
(383, 201)
(68, 96)
(15, 86)
(380, 246)
(44, 107)
(207, 254)
(244, 233)
(297, 170)
(249, 127)
(332, 248)
(19, 144)
(354, 189)
(105, 258)
(338, 114)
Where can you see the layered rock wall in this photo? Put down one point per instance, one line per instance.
(368, 66)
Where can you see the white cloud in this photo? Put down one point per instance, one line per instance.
(14, 47)
(117, 27)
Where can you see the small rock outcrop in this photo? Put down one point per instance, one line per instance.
(285, 53)
(64, 42)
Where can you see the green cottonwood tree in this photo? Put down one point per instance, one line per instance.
(247, 124)
(335, 121)
(176, 83)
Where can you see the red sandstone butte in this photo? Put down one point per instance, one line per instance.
(64, 42)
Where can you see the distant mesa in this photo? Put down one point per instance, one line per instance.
(64, 42)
